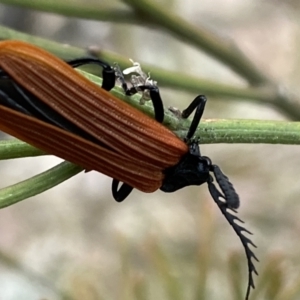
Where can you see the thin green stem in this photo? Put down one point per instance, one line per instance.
(285, 103)
(220, 48)
(65, 52)
(213, 131)
(210, 131)
(156, 15)
(37, 184)
(17, 149)
(77, 9)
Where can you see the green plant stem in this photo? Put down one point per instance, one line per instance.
(209, 132)
(220, 48)
(37, 184)
(65, 52)
(17, 149)
(149, 12)
(283, 102)
(246, 131)
(223, 50)
(77, 9)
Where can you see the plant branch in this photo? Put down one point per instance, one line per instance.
(148, 13)
(17, 149)
(77, 9)
(220, 48)
(282, 101)
(37, 184)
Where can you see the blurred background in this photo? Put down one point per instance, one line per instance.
(75, 242)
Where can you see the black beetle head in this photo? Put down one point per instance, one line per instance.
(191, 170)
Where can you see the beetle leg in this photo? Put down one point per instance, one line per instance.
(197, 104)
(11, 103)
(28, 104)
(43, 112)
(122, 193)
(6, 99)
(109, 77)
(3, 74)
(108, 73)
(149, 86)
(156, 101)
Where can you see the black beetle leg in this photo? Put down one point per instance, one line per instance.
(122, 193)
(153, 90)
(199, 104)
(3, 74)
(5, 100)
(108, 73)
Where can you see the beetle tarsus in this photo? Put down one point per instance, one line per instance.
(122, 193)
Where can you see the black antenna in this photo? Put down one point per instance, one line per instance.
(227, 208)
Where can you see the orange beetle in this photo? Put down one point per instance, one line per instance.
(92, 110)
(52, 107)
